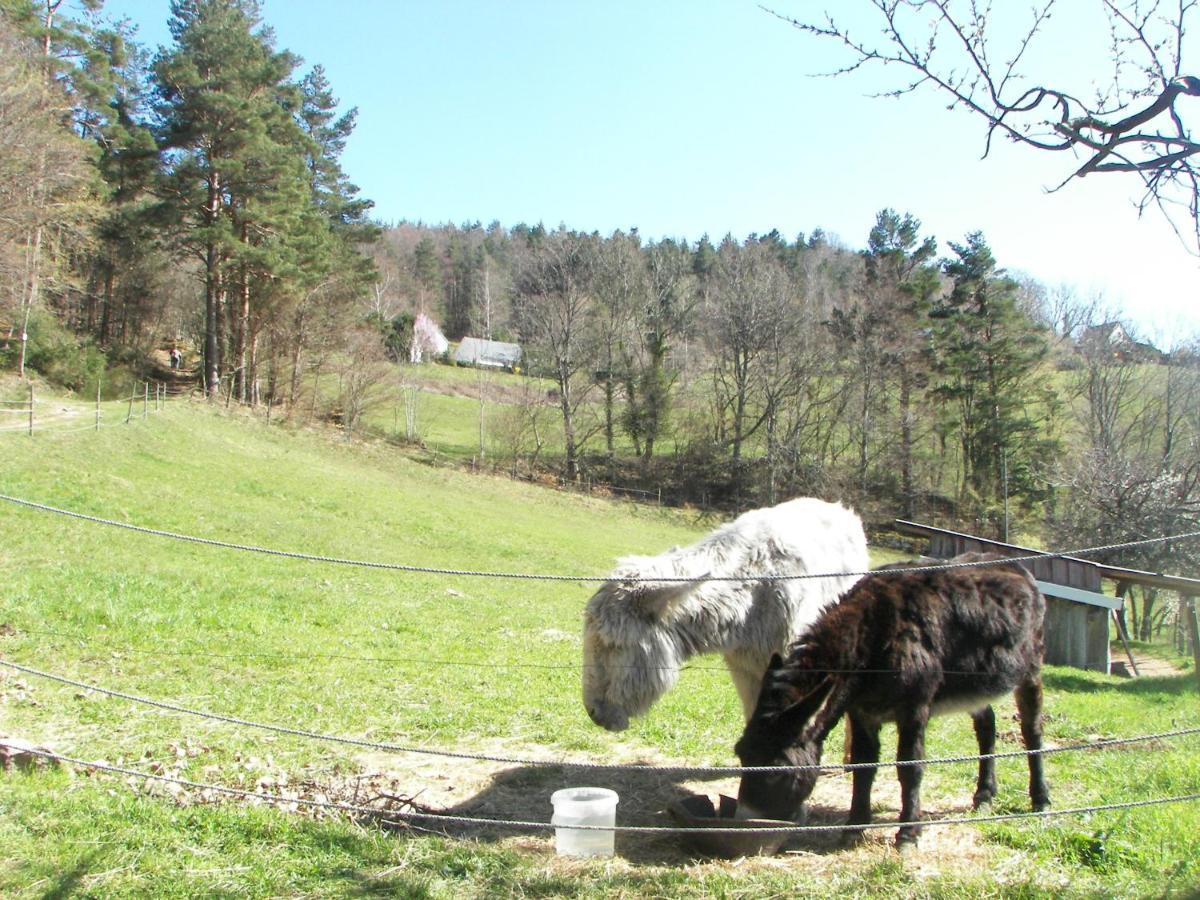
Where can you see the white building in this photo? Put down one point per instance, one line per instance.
(491, 354)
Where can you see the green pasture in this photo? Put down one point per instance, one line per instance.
(448, 412)
(470, 664)
(448, 409)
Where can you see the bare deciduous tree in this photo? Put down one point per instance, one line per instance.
(44, 210)
(519, 429)
(555, 306)
(620, 285)
(663, 315)
(364, 373)
(751, 321)
(1131, 121)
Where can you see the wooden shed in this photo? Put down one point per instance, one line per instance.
(1077, 612)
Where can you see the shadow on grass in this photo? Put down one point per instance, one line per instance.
(523, 793)
(68, 883)
(1173, 685)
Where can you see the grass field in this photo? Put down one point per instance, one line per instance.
(476, 665)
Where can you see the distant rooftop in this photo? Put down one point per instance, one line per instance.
(480, 352)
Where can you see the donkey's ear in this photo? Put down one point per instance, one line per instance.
(656, 598)
(793, 719)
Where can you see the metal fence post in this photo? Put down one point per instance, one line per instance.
(145, 399)
(98, 380)
(31, 409)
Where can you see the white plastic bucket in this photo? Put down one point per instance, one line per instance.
(583, 806)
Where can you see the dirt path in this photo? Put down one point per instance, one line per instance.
(1147, 666)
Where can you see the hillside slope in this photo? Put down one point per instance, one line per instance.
(475, 665)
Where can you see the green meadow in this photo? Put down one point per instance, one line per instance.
(480, 665)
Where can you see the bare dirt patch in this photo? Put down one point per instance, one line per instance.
(488, 790)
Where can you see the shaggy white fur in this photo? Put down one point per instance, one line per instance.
(638, 633)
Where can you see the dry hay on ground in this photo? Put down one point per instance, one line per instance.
(398, 783)
(489, 790)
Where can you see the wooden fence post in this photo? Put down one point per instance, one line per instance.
(1118, 616)
(145, 399)
(1194, 628)
(1125, 641)
(98, 380)
(129, 412)
(31, 409)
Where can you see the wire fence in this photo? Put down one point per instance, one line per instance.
(475, 821)
(37, 416)
(387, 747)
(535, 576)
(425, 662)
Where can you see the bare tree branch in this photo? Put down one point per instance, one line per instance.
(1136, 128)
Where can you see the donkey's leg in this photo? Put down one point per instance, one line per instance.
(1029, 707)
(747, 678)
(985, 734)
(910, 746)
(864, 748)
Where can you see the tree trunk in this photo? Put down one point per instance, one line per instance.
(609, 398)
(212, 295)
(33, 261)
(1149, 595)
(297, 352)
(241, 328)
(564, 394)
(106, 305)
(252, 367)
(772, 456)
(907, 491)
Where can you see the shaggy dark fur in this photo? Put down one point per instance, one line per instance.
(900, 647)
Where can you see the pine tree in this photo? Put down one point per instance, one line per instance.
(115, 117)
(428, 272)
(902, 282)
(327, 133)
(987, 354)
(220, 90)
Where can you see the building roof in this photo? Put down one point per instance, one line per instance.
(481, 352)
(1188, 587)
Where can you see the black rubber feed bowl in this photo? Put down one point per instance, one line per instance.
(697, 813)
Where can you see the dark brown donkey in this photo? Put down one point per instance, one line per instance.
(899, 647)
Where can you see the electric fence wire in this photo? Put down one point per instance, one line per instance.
(48, 425)
(425, 662)
(447, 819)
(533, 576)
(387, 747)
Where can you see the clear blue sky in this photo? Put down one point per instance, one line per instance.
(685, 118)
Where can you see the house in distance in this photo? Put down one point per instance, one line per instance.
(488, 354)
(428, 342)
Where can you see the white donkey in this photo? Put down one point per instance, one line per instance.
(638, 631)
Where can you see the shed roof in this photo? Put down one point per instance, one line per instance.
(1186, 586)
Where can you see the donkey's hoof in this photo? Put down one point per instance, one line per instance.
(982, 800)
(907, 848)
(853, 837)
